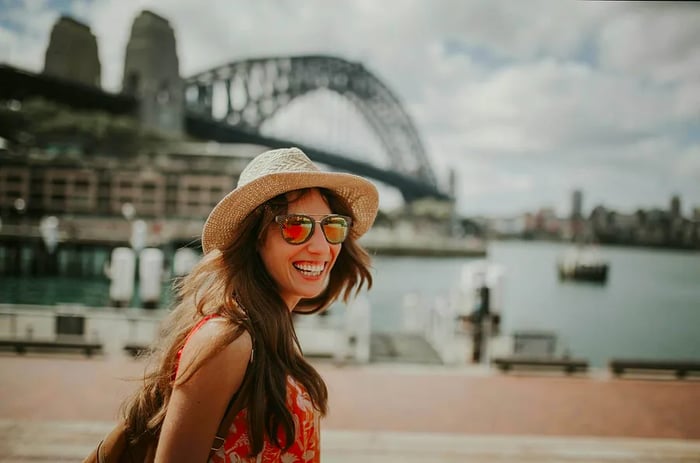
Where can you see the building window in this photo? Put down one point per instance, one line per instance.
(14, 184)
(145, 191)
(198, 194)
(69, 190)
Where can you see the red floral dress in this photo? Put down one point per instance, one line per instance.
(306, 442)
(306, 446)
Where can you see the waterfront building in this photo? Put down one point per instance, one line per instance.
(172, 189)
(647, 228)
(105, 161)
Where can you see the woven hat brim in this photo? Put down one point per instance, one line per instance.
(360, 195)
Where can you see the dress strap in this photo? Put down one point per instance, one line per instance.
(196, 327)
(189, 335)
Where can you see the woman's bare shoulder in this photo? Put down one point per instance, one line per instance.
(235, 353)
(199, 401)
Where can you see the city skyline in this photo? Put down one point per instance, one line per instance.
(586, 209)
(600, 97)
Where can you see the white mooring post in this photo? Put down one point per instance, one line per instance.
(150, 277)
(121, 272)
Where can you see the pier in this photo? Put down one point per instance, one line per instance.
(394, 397)
(113, 332)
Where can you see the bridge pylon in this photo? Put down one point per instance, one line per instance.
(152, 74)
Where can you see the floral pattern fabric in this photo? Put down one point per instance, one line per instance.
(305, 448)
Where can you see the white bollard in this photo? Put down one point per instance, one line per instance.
(183, 261)
(150, 277)
(358, 326)
(121, 272)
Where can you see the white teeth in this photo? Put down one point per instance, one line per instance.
(311, 270)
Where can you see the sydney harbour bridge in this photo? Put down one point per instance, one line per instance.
(231, 103)
(279, 81)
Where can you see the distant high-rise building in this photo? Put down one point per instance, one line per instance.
(152, 74)
(675, 206)
(577, 205)
(576, 222)
(72, 53)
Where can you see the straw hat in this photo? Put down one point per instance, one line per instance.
(280, 171)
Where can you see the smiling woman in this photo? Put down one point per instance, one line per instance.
(228, 351)
(299, 260)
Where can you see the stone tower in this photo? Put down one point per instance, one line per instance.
(152, 74)
(72, 53)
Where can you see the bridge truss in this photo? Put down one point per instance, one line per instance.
(256, 89)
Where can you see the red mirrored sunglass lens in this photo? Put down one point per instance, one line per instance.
(296, 230)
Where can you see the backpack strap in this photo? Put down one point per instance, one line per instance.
(222, 432)
(226, 422)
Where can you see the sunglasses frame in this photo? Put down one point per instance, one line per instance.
(281, 218)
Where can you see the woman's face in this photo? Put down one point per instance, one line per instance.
(300, 271)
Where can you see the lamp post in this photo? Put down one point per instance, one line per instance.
(128, 211)
(48, 226)
(139, 230)
(122, 267)
(20, 206)
(149, 263)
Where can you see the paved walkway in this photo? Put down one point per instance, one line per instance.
(387, 413)
(70, 441)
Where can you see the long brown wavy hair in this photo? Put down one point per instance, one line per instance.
(234, 284)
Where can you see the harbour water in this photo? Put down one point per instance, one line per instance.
(649, 308)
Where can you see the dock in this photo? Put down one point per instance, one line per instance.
(393, 398)
(112, 332)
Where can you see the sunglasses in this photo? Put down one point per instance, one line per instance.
(299, 228)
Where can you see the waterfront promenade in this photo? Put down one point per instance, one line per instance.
(54, 408)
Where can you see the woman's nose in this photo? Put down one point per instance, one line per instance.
(317, 243)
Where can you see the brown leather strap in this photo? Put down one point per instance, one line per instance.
(222, 432)
(226, 422)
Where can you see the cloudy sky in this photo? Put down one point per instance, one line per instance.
(525, 100)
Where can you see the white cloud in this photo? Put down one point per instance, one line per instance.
(519, 30)
(656, 40)
(688, 165)
(24, 45)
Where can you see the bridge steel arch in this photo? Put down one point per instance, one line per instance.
(257, 88)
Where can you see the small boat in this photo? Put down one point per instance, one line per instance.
(584, 264)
